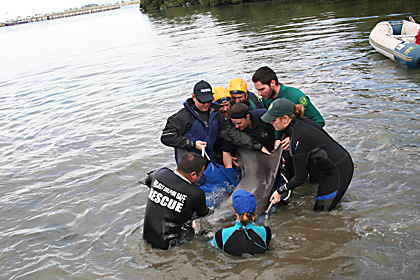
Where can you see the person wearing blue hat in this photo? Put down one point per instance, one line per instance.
(244, 236)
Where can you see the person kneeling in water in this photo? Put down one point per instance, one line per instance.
(173, 199)
(244, 236)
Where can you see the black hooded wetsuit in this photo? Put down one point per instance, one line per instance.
(308, 141)
(172, 201)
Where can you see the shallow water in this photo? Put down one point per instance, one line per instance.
(83, 101)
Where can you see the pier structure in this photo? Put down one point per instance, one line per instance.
(68, 13)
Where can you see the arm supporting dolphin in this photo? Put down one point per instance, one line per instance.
(259, 176)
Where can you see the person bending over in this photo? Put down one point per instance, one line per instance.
(308, 141)
(199, 123)
(249, 122)
(173, 199)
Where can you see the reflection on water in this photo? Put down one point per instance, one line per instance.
(83, 101)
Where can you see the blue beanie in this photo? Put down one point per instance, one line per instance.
(244, 202)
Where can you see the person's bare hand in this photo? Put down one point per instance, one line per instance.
(276, 197)
(285, 143)
(200, 144)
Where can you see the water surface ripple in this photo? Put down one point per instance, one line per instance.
(83, 101)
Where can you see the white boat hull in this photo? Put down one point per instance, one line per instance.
(396, 40)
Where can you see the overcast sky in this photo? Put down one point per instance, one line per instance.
(11, 9)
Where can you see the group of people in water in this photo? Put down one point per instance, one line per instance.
(219, 120)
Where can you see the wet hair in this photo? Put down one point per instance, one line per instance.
(239, 110)
(265, 75)
(299, 112)
(246, 217)
(192, 162)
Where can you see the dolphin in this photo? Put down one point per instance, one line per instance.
(259, 176)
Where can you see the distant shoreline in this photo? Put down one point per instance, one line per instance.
(87, 9)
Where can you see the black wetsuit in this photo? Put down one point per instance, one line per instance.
(237, 241)
(308, 141)
(172, 201)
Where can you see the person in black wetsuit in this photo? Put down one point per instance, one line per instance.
(172, 201)
(244, 236)
(309, 141)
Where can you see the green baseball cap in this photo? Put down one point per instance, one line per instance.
(279, 108)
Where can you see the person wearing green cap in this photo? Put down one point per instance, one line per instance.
(244, 236)
(308, 141)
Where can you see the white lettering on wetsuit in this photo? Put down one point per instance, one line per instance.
(175, 203)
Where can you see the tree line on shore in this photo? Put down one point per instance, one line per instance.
(147, 5)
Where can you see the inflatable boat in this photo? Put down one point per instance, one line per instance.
(398, 40)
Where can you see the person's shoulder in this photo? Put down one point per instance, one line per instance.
(311, 121)
(182, 114)
(163, 171)
(297, 96)
(258, 112)
(253, 96)
(214, 111)
(196, 191)
(291, 90)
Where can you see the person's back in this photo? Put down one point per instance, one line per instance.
(244, 236)
(172, 201)
(310, 141)
(238, 240)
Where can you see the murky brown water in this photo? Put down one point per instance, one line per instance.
(83, 101)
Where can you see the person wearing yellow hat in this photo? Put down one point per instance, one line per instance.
(238, 90)
(222, 97)
(197, 125)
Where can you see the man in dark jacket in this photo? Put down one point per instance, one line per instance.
(172, 201)
(197, 125)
